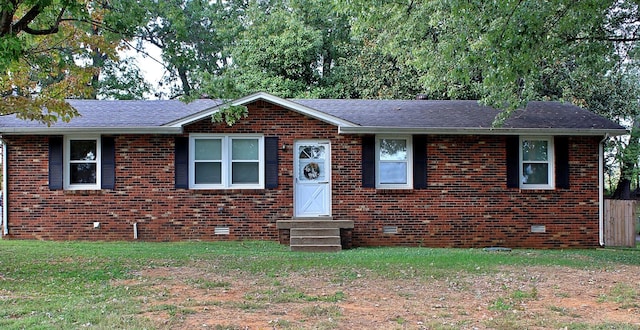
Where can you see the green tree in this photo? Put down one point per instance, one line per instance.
(46, 50)
(120, 80)
(192, 35)
(510, 52)
(288, 48)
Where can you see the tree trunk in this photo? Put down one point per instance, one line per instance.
(623, 190)
(186, 87)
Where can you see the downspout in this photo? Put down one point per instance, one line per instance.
(4, 222)
(601, 190)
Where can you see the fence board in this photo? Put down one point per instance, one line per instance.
(619, 223)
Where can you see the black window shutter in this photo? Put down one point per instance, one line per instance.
(513, 161)
(368, 161)
(108, 166)
(55, 162)
(561, 145)
(419, 162)
(271, 162)
(182, 162)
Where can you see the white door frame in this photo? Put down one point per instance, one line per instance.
(312, 184)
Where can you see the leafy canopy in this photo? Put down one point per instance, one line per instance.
(47, 47)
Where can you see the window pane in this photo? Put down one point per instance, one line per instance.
(208, 149)
(311, 152)
(244, 173)
(311, 170)
(83, 149)
(535, 173)
(393, 172)
(533, 150)
(82, 173)
(208, 173)
(244, 149)
(393, 149)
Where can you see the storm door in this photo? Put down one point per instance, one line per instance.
(312, 177)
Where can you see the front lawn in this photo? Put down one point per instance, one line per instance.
(256, 285)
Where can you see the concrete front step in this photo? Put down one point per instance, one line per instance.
(315, 232)
(316, 248)
(315, 240)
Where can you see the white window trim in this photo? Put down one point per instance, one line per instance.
(409, 184)
(226, 161)
(550, 161)
(67, 163)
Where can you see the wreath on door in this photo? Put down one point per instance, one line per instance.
(311, 171)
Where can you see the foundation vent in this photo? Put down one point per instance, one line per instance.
(389, 230)
(538, 229)
(221, 231)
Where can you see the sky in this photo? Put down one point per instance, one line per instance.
(150, 68)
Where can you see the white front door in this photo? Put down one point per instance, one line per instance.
(312, 177)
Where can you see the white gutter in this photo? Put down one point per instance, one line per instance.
(480, 131)
(601, 191)
(4, 222)
(89, 130)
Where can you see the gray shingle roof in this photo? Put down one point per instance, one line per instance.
(457, 114)
(108, 113)
(420, 115)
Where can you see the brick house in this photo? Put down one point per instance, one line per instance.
(362, 172)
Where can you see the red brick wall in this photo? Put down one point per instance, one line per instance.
(466, 203)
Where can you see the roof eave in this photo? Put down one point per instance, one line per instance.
(89, 130)
(481, 131)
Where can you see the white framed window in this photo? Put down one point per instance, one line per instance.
(394, 164)
(536, 163)
(226, 161)
(82, 162)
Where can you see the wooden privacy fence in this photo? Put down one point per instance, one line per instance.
(619, 223)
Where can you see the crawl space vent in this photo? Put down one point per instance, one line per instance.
(389, 230)
(538, 229)
(222, 231)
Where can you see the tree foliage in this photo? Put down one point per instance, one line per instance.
(192, 36)
(288, 48)
(46, 45)
(120, 80)
(506, 53)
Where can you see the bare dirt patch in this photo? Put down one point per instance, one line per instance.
(529, 297)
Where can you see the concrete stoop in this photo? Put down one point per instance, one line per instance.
(315, 239)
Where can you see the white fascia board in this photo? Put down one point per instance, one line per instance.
(480, 131)
(304, 110)
(89, 130)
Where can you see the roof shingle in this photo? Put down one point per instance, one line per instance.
(399, 114)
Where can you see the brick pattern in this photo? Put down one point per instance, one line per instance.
(466, 203)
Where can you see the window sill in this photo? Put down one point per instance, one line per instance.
(538, 190)
(391, 191)
(226, 191)
(84, 192)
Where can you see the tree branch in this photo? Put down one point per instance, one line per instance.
(605, 38)
(410, 8)
(51, 30)
(97, 23)
(23, 23)
(513, 12)
(6, 16)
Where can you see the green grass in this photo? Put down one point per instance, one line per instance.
(287, 295)
(623, 294)
(70, 284)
